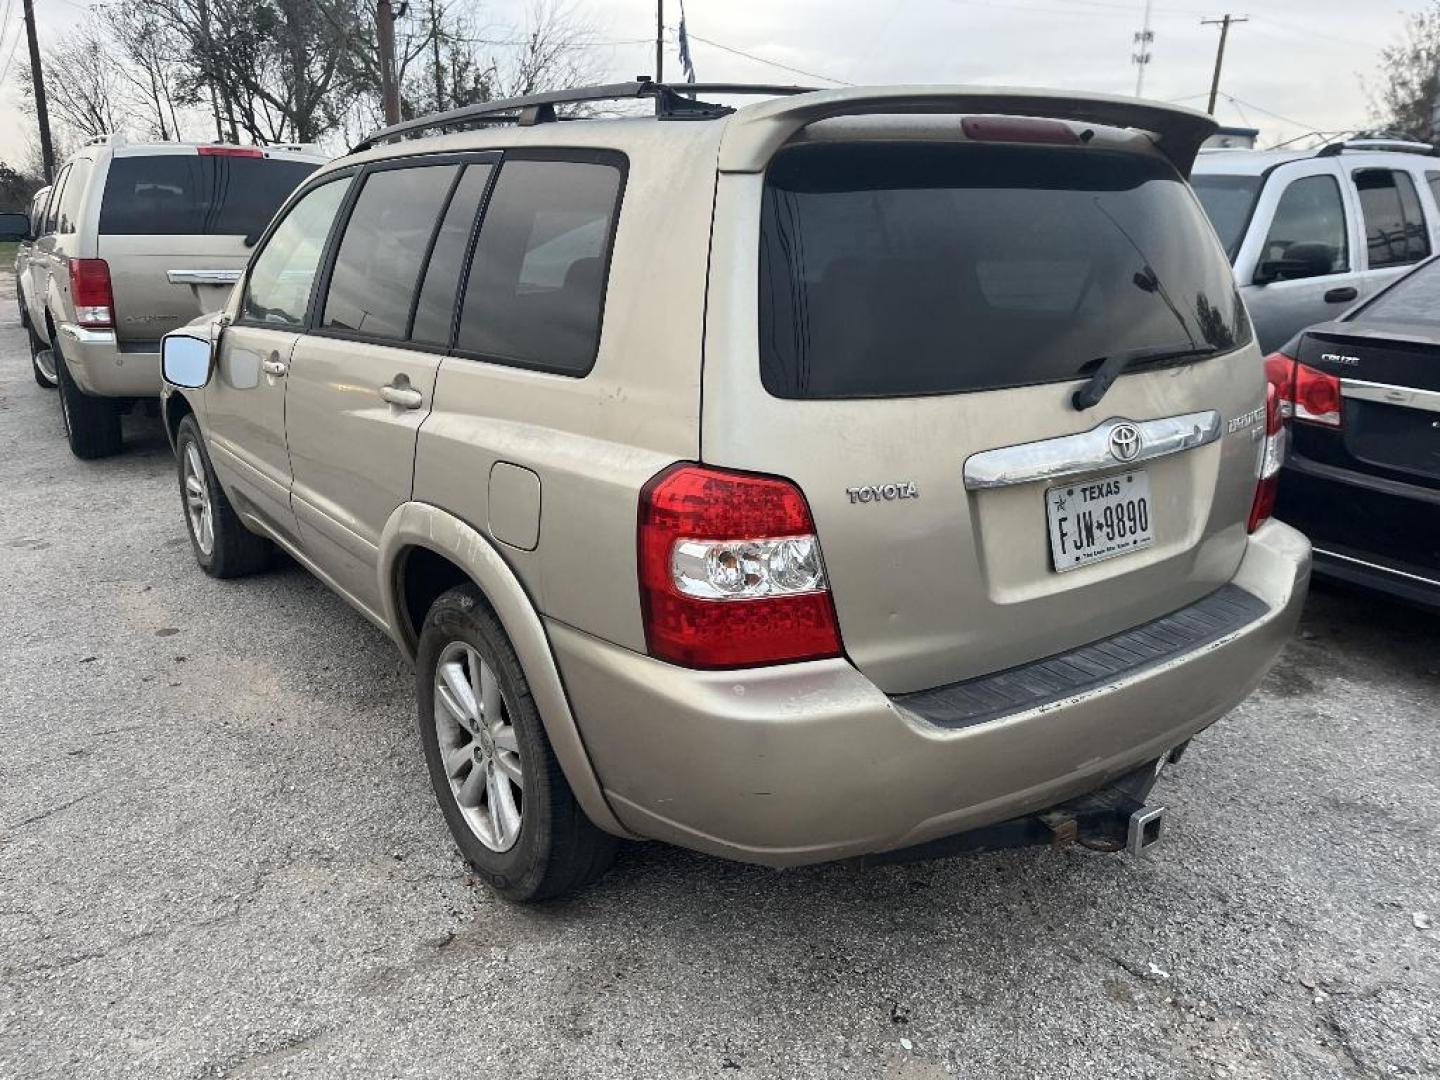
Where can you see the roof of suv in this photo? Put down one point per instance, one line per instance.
(750, 135)
(120, 146)
(1254, 162)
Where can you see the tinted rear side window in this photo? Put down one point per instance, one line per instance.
(196, 194)
(537, 281)
(890, 270)
(377, 268)
(436, 309)
(1394, 227)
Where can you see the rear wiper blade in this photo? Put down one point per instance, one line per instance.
(1115, 365)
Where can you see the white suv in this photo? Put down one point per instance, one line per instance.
(1311, 232)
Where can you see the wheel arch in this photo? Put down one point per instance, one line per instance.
(174, 407)
(423, 552)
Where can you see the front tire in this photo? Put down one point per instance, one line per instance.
(223, 546)
(92, 424)
(500, 788)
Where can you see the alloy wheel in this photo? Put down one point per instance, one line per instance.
(479, 750)
(197, 501)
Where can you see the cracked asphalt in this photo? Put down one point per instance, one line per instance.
(219, 857)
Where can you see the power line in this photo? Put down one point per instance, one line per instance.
(762, 60)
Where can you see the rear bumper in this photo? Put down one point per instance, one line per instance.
(104, 367)
(1368, 531)
(810, 762)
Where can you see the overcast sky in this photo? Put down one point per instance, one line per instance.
(1296, 65)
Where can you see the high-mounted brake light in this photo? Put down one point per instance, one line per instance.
(230, 151)
(730, 571)
(91, 294)
(1022, 129)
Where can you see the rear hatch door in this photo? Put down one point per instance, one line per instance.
(174, 224)
(925, 313)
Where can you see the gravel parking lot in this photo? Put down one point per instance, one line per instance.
(219, 857)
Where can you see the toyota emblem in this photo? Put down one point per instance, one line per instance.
(1125, 442)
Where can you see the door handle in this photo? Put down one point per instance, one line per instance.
(1342, 294)
(274, 366)
(401, 394)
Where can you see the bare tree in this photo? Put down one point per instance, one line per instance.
(155, 74)
(85, 98)
(1408, 84)
(553, 53)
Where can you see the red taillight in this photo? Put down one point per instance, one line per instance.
(1317, 397)
(230, 151)
(1023, 129)
(1272, 457)
(1306, 394)
(730, 571)
(90, 293)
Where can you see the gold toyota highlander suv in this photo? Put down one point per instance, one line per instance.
(135, 239)
(873, 472)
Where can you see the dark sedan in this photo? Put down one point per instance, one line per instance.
(1362, 394)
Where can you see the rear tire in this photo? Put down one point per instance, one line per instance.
(92, 424)
(46, 380)
(558, 850)
(223, 546)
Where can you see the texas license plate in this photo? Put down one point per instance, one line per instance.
(1099, 519)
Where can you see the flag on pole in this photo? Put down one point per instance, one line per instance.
(686, 64)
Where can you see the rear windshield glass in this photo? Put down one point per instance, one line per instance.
(895, 269)
(1228, 201)
(196, 194)
(1414, 299)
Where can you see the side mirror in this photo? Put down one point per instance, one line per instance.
(1299, 261)
(185, 360)
(14, 227)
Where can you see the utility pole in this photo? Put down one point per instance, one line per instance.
(389, 92)
(1141, 59)
(659, 40)
(42, 114)
(1224, 24)
(439, 72)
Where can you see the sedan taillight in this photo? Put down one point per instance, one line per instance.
(730, 571)
(1306, 393)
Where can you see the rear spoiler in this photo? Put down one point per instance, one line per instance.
(754, 133)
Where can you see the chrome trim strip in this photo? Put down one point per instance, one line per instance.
(1386, 394)
(1070, 455)
(203, 277)
(1376, 566)
(85, 336)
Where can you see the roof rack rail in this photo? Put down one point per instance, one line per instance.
(1395, 144)
(672, 102)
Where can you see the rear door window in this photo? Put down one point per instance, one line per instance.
(1395, 232)
(196, 194)
(536, 287)
(377, 268)
(277, 289)
(435, 309)
(889, 270)
(1309, 212)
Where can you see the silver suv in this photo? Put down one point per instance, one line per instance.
(135, 240)
(856, 473)
(1311, 232)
